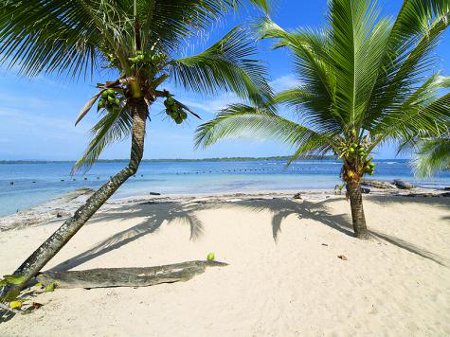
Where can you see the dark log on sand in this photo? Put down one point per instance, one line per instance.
(126, 277)
(403, 184)
(378, 184)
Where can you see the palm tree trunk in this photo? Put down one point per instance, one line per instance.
(33, 264)
(356, 204)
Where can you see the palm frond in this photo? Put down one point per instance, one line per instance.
(88, 106)
(114, 126)
(225, 65)
(433, 155)
(45, 36)
(239, 119)
(408, 56)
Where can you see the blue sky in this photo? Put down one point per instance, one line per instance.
(37, 115)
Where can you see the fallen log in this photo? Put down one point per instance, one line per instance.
(403, 184)
(378, 184)
(126, 277)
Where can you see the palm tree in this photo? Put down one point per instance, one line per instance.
(433, 155)
(364, 81)
(140, 41)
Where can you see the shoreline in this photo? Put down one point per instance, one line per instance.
(65, 205)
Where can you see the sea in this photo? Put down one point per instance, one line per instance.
(28, 184)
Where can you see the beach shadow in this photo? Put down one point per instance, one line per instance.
(410, 247)
(153, 215)
(317, 211)
(282, 208)
(441, 202)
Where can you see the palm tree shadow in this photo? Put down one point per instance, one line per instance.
(282, 208)
(153, 214)
(410, 247)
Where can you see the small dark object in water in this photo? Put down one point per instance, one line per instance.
(297, 196)
(403, 184)
(142, 175)
(34, 182)
(85, 178)
(155, 193)
(58, 215)
(62, 180)
(11, 183)
(98, 178)
(365, 190)
(74, 180)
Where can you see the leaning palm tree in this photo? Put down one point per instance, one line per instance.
(140, 41)
(364, 81)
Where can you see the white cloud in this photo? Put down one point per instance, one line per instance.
(213, 105)
(284, 82)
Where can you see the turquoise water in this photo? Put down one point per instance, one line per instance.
(34, 183)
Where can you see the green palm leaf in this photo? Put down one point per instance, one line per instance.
(433, 155)
(114, 126)
(225, 65)
(240, 119)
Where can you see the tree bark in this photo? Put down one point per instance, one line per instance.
(127, 277)
(356, 204)
(36, 261)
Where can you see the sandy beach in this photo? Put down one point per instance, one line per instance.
(284, 276)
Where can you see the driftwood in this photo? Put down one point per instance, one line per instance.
(365, 190)
(378, 184)
(126, 277)
(403, 184)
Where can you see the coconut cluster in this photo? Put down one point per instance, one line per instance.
(109, 100)
(174, 110)
(142, 58)
(361, 152)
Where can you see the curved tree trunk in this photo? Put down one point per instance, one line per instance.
(36, 261)
(356, 204)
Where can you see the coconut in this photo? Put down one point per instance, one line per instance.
(170, 101)
(211, 257)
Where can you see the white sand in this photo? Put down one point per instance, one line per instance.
(397, 284)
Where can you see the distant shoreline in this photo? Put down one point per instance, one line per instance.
(219, 159)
